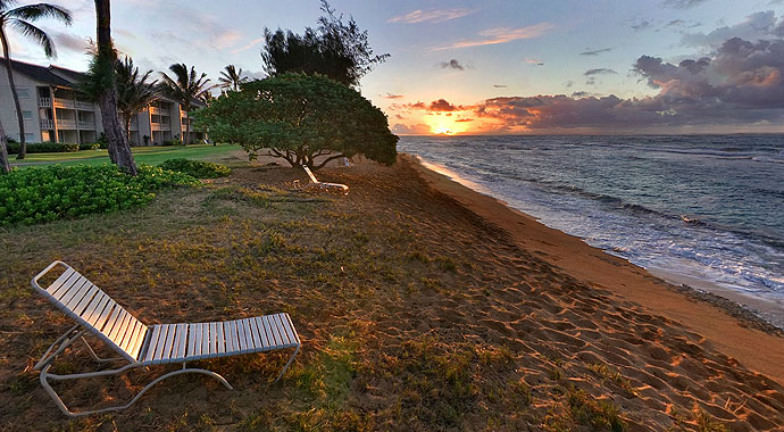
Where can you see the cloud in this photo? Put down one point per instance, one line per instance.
(759, 25)
(534, 62)
(392, 96)
(431, 16)
(741, 84)
(417, 129)
(595, 52)
(464, 120)
(442, 105)
(502, 35)
(69, 42)
(682, 4)
(452, 64)
(248, 45)
(600, 71)
(642, 25)
(500, 85)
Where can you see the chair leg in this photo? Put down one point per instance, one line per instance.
(96, 357)
(45, 376)
(287, 365)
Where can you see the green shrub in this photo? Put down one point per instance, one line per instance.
(37, 195)
(90, 146)
(198, 169)
(172, 142)
(44, 147)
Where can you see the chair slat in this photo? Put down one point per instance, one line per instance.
(106, 314)
(213, 338)
(248, 334)
(125, 340)
(167, 349)
(205, 339)
(241, 336)
(294, 335)
(230, 333)
(119, 329)
(270, 332)
(151, 347)
(93, 310)
(284, 324)
(262, 333)
(179, 343)
(159, 348)
(85, 301)
(254, 331)
(107, 327)
(192, 338)
(77, 289)
(279, 325)
(64, 276)
(138, 340)
(221, 339)
(66, 286)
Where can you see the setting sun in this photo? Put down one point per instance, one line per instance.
(444, 125)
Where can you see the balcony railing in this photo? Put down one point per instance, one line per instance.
(82, 105)
(47, 124)
(66, 124)
(63, 103)
(45, 102)
(86, 124)
(160, 127)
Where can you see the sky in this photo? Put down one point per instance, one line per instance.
(492, 67)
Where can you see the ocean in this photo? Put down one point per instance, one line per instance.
(688, 208)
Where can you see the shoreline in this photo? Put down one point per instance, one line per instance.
(730, 327)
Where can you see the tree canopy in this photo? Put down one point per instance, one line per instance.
(336, 49)
(301, 118)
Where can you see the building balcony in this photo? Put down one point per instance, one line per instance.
(66, 124)
(47, 124)
(86, 124)
(86, 106)
(160, 127)
(45, 102)
(63, 103)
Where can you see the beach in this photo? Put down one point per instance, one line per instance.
(421, 304)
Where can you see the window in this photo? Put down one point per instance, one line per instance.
(24, 93)
(28, 137)
(27, 114)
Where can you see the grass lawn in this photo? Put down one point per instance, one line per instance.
(152, 155)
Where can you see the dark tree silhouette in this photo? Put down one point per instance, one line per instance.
(337, 49)
(185, 87)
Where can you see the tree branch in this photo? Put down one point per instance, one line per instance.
(327, 160)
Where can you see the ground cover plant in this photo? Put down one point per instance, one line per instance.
(195, 168)
(46, 194)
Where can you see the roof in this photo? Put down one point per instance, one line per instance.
(68, 74)
(40, 73)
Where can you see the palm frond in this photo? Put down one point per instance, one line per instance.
(41, 10)
(36, 34)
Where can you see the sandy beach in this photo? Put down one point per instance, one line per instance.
(422, 305)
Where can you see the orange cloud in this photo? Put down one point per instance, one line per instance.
(502, 35)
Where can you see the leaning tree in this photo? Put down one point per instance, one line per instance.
(306, 120)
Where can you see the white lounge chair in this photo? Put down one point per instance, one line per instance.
(141, 345)
(332, 187)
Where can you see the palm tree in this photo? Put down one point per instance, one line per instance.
(134, 93)
(231, 78)
(102, 71)
(185, 88)
(20, 19)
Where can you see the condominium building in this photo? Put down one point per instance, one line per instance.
(54, 110)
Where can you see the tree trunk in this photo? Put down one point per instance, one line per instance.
(19, 117)
(5, 167)
(127, 119)
(186, 139)
(119, 150)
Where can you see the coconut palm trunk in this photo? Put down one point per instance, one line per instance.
(5, 167)
(15, 95)
(119, 150)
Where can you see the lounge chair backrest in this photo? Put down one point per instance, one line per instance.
(81, 300)
(310, 174)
